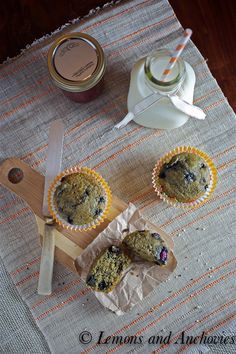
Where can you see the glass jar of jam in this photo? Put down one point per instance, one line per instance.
(77, 64)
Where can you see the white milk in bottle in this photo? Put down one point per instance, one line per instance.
(145, 79)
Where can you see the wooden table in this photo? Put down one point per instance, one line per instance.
(213, 23)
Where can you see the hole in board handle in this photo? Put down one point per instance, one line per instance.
(15, 175)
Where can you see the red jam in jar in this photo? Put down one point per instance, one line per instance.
(77, 64)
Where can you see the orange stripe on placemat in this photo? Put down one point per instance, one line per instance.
(101, 124)
(62, 304)
(30, 276)
(145, 40)
(82, 123)
(38, 82)
(223, 152)
(115, 154)
(13, 216)
(26, 103)
(217, 103)
(18, 67)
(173, 309)
(207, 95)
(42, 147)
(128, 147)
(105, 109)
(226, 164)
(148, 192)
(116, 15)
(218, 325)
(216, 311)
(192, 210)
(139, 31)
(76, 127)
(25, 266)
(110, 144)
(203, 216)
(156, 201)
(58, 291)
(8, 205)
(38, 162)
(169, 298)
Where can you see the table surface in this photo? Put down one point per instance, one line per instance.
(204, 238)
(213, 23)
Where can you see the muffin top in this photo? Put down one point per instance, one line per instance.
(79, 199)
(185, 177)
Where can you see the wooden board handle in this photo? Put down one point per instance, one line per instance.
(24, 181)
(29, 185)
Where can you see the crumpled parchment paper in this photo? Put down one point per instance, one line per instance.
(141, 277)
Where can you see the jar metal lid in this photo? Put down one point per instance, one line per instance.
(76, 62)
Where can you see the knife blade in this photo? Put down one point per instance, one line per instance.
(147, 102)
(139, 108)
(53, 168)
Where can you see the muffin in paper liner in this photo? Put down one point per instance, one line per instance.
(53, 209)
(173, 201)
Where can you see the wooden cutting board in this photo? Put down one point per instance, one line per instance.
(28, 184)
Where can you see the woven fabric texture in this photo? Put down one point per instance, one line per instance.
(200, 295)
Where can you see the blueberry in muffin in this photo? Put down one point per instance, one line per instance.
(79, 199)
(148, 246)
(107, 270)
(185, 177)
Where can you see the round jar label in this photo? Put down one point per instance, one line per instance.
(76, 59)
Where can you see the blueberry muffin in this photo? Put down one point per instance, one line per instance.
(79, 199)
(107, 270)
(185, 177)
(148, 246)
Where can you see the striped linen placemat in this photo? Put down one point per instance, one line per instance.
(200, 296)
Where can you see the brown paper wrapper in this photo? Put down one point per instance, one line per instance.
(141, 277)
(172, 201)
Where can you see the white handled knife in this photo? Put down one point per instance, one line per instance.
(53, 168)
(139, 108)
(147, 102)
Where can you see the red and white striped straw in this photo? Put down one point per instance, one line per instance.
(178, 50)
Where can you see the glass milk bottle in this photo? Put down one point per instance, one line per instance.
(145, 79)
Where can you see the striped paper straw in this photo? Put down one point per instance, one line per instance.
(178, 50)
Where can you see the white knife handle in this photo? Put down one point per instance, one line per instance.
(47, 260)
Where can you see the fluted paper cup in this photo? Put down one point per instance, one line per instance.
(97, 179)
(173, 201)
